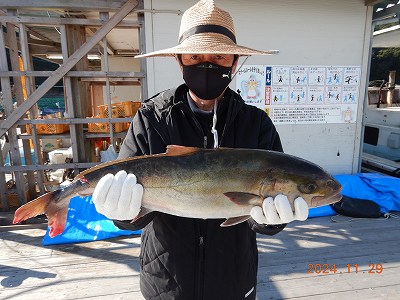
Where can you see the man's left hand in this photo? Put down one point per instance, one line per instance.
(279, 211)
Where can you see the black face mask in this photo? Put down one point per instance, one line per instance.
(207, 80)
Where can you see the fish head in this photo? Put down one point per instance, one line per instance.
(333, 194)
(320, 190)
(301, 178)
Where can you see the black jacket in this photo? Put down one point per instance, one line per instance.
(183, 258)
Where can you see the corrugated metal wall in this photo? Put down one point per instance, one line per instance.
(307, 32)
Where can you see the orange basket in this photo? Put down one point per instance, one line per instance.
(13, 199)
(131, 107)
(126, 126)
(120, 110)
(105, 127)
(48, 128)
(115, 112)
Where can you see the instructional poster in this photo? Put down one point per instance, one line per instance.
(302, 94)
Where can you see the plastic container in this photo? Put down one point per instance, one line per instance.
(105, 128)
(120, 109)
(59, 156)
(48, 128)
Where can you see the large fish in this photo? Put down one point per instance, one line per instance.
(199, 183)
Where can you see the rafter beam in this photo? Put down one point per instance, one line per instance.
(43, 21)
(67, 65)
(91, 31)
(36, 48)
(43, 43)
(68, 5)
(38, 35)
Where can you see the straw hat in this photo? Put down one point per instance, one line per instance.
(205, 28)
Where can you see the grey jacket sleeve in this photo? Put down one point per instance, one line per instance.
(135, 144)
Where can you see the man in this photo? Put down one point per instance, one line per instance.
(184, 258)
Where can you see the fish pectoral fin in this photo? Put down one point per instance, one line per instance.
(86, 192)
(143, 211)
(175, 150)
(241, 198)
(234, 221)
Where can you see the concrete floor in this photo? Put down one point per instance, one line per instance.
(316, 259)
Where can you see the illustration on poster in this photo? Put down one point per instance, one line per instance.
(349, 98)
(335, 79)
(301, 80)
(297, 96)
(251, 87)
(312, 98)
(347, 115)
(350, 80)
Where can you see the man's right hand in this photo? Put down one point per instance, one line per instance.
(118, 197)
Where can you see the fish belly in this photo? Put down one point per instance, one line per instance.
(193, 205)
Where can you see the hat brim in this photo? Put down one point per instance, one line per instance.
(208, 43)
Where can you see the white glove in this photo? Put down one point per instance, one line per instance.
(118, 197)
(278, 211)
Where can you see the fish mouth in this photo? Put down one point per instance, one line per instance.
(323, 200)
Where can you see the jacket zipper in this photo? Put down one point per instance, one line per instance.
(201, 227)
(205, 137)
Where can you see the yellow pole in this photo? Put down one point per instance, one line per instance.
(21, 68)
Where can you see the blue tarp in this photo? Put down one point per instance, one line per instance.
(322, 211)
(85, 224)
(382, 189)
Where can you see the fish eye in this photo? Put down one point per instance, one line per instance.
(307, 188)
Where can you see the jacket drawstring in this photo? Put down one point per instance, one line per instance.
(214, 125)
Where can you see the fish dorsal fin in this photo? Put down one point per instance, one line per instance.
(172, 150)
(105, 164)
(175, 150)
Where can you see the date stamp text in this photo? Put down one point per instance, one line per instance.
(348, 268)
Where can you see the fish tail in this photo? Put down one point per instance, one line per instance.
(33, 208)
(57, 221)
(46, 204)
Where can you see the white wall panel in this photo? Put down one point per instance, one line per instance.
(123, 93)
(307, 32)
